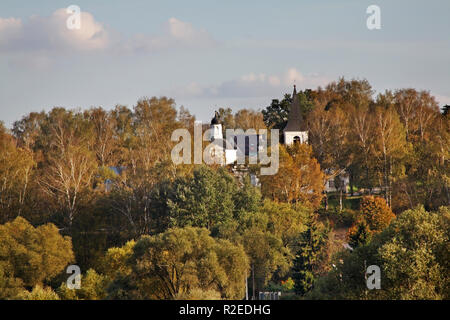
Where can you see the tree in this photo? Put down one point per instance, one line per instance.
(361, 124)
(275, 116)
(249, 119)
(285, 221)
(376, 212)
(10, 287)
(359, 234)
(116, 259)
(311, 246)
(425, 180)
(39, 293)
(445, 110)
(330, 139)
(182, 261)
(202, 200)
(154, 122)
(105, 142)
(185, 118)
(93, 288)
(390, 146)
(412, 253)
(375, 215)
(28, 130)
(16, 168)
(269, 235)
(33, 255)
(69, 164)
(299, 178)
(267, 256)
(226, 118)
(145, 139)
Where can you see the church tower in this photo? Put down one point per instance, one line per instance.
(295, 130)
(216, 128)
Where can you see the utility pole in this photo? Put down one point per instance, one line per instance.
(246, 286)
(253, 275)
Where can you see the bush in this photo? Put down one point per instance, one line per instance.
(38, 293)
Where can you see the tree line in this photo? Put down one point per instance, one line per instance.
(98, 189)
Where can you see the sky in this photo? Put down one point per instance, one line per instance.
(209, 54)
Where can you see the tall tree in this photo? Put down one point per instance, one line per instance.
(16, 169)
(299, 178)
(249, 119)
(311, 249)
(69, 164)
(390, 147)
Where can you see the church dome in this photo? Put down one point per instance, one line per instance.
(215, 120)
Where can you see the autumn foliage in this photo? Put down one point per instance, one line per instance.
(375, 216)
(299, 178)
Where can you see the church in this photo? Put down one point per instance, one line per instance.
(295, 131)
(221, 148)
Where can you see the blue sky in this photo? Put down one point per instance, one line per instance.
(211, 54)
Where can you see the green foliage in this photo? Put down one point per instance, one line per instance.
(38, 293)
(204, 200)
(10, 287)
(275, 116)
(267, 255)
(208, 198)
(288, 284)
(199, 294)
(312, 244)
(285, 221)
(58, 167)
(93, 287)
(33, 254)
(16, 168)
(116, 260)
(269, 237)
(172, 264)
(359, 234)
(412, 253)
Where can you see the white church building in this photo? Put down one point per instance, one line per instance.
(221, 148)
(295, 131)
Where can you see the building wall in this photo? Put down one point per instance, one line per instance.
(216, 132)
(290, 135)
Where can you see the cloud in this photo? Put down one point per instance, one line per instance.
(176, 34)
(9, 29)
(51, 35)
(252, 85)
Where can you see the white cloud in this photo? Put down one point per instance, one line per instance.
(176, 34)
(185, 32)
(253, 85)
(51, 35)
(9, 29)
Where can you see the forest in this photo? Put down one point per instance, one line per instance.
(97, 188)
